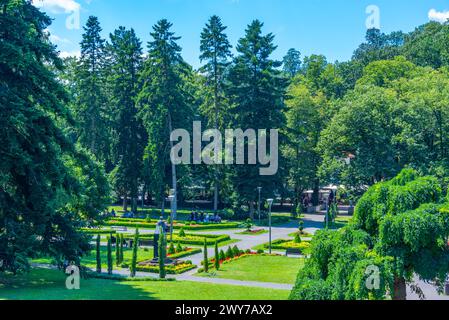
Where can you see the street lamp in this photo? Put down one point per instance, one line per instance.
(270, 204)
(258, 205)
(171, 198)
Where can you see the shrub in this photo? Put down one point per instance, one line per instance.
(98, 254)
(182, 233)
(179, 248)
(122, 243)
(162, 256)
(171, 249)
(134, 256)
(235, 251)
(222, 255)
(297, 238)
(206, 261)
(148, 218)
(117, 250)
(229, 253)
(260, 251)
(109, 256)
(217, 257)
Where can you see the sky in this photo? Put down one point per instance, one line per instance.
(333, 28)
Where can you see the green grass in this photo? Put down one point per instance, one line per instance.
(247, 233)
(91, 262)
(42, 284)
(260, 268)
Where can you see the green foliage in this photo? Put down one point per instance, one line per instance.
(117, 250)
(297, 238)
(133, 266)
(122, 243)
(217, 257)
(222, 255)
(235, 251)
(171, 249)
(110, 264)
(182, 233)
(179, 247)
(400, 230)
(98, 253)
(229, 253)
(162, 256)
(205, 258)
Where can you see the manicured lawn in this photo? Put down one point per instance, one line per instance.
(260, 268)
(91, 262)
(43, 284)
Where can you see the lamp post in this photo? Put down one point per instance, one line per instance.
(258, 205)
(270, 204)
(171, 198)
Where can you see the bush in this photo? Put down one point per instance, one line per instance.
(148, 219)
(179, 248)
(217, 257)
(235, 251)
(182, 233)
(162, 256)
(222, 255)
(109, 256)
(98, 252)
(206, 260)
(171, 249)
(260, 251)
(133, 267)
(297, 238)
(229, 253)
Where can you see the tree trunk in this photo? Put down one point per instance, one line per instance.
(316, 193)
(125, 203)
(400, 289)
(134, 205)
(251, 210)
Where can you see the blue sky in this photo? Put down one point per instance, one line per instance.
(330, 27)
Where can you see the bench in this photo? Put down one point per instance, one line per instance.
(146, 243)
(293, 251)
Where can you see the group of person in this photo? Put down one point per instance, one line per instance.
(205, 217)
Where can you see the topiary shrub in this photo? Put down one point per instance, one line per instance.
(171, 249)
(109, 247)
(229, 253)
(217, 257)
(179, 248)
(297, 238)
(222, 255)
(134, 254)
(98, 253)
(236, 251)
(206, 260)
(182, 233)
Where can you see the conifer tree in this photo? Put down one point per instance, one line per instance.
(217, 257)
(110, 264)
(133, 267)
(98, 254)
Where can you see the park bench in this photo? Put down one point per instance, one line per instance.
(146, 243)
(293, 251)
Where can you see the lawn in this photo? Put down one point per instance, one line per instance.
(42, 284)
(276, 269)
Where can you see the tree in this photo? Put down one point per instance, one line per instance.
(122, 241)
(215, 50)
(133, 266)
(163, 101)
(162, 255)
(205, 259)
(90, 105)
(400, 230)
(256, 92)
(110, 264)
(125, 60)
(117, 249)
(45, 178)
(292, 62)
(217, 257)
(98, 254)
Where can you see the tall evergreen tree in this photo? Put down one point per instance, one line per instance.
(163, 100)
(90, 107)
(256, 91)
(215, 51)
(292, 62)
(125, 60)
(43, 176)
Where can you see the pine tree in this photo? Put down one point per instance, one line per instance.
(256, 91)
(217, 257)
(110, 264)
(98, 253)
(90, 106)
(133, 267)
(125, 61)
(163, 100)
(292, 63)
(215, 51)
(206, 260)
(43, 193)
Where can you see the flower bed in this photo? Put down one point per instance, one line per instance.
(288, 244)
(235, 258)
(189, 239)
(186, 252)
(254, 232)
(170, 269)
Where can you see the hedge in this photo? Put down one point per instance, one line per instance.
(288, 244)
(181, 268)
(195, 239)
(185, 253)
(140, 223)
(97, 231)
